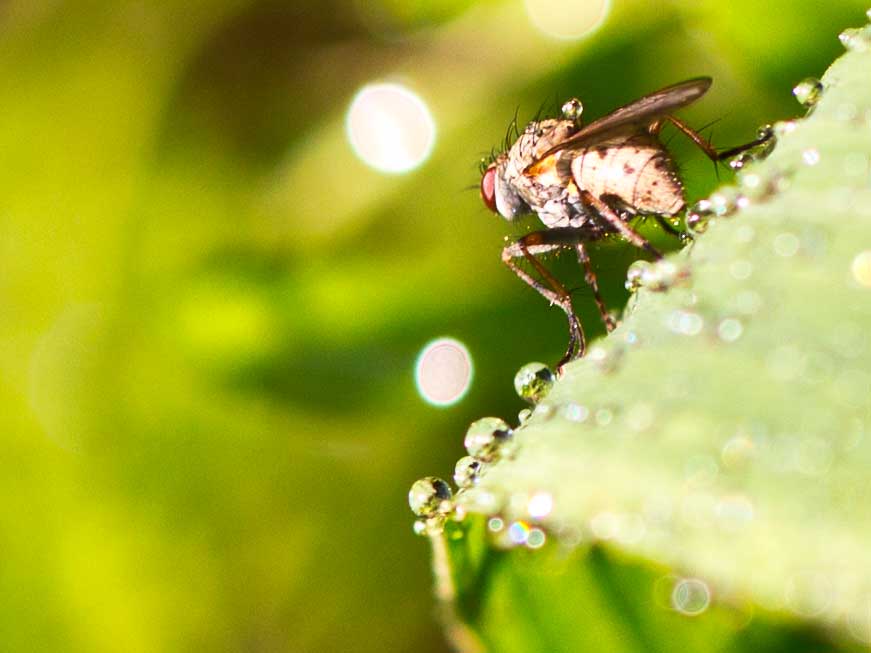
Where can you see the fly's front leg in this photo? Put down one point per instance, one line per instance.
(593, 282)
(617, 223)
(541, 242)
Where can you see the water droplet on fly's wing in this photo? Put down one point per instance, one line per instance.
(533, 381)
(429, 496)
(808, 91)
(486, 437)
(467, 471)
(572, 109)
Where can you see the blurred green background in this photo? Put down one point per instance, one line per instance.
(210, 308)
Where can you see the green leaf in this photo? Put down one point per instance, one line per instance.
(719, 435)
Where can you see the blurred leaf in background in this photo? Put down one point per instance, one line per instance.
(210, 308)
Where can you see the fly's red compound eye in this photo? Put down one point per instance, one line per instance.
(488, 188)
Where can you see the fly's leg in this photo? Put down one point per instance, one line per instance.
(593, 282)
(667, 227)
(617, 223)
(703, 144)
(541, 242)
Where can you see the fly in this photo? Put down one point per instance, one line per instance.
(585, 182)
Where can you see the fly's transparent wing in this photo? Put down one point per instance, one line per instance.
(639, 113)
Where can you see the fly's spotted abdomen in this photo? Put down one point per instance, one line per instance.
(636, 169)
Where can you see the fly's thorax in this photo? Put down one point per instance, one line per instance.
(637, 170)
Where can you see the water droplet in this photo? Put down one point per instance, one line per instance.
(575, 412)
(518, 532)
(685, 323)
(543, 410)
(604, 416)
(486, 437)
(734, 512)
(784, 127)
(634, 273)
(390, 128)
(540, 504)
(467, 471)
(660, 276)
(524, 415)
(742, 161)
(536, 538)
(443, 372)
(811, 156)
(476, 499)
(857, 39)
(861, 268)
(430, 526)
(572, 109)
(737, 451)
(699, 217)
(809, 593)
(429, 496)
(724, 201)
(808, 92)
(533, 381)
(765, 132)
(730, 330)
(786, 244)
(495, 524)
(690, 596)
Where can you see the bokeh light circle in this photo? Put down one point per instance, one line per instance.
(390, 128)
(567, 19)
(443, 372)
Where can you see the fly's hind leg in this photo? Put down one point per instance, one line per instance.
(593, 282)
(538, 243)
(703, 144)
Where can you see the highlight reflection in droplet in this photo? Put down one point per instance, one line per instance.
(443, 372)
(567, 19)
(390, 128)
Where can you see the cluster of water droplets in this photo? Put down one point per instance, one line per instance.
(657, 276)
(487, 441)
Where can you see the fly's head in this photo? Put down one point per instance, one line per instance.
(499, 195)
(506, 186)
